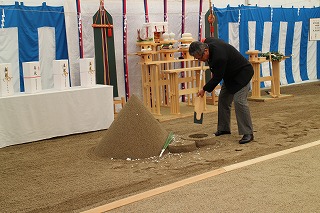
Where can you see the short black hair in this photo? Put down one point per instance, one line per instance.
(197, 48)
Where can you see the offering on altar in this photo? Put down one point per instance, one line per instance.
(153, 31)
(165, 36)
(184, 46)
(168, 46)
(6, 83)
(145, 50)
(186, 37)
(32, 77)
(87, 72)
(172, 35)
(61, 74)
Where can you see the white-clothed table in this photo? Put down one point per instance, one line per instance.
(50, 113)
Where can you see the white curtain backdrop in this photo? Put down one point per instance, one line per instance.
(282, 45)
(135, 19)
(296, 52)
(311, 62)
(252, 34)
(265, 48)
(234, 35)
(72, 41)
(47, 53)
(10, 53)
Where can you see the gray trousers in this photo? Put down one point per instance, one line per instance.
(241, 109)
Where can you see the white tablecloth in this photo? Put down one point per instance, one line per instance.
(31, 117)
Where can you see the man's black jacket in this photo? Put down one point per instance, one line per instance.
(226, 63)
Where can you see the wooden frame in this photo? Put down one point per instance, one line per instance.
(274, 77)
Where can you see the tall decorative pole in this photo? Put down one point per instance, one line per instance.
(183, 24)
(165, 10)
(146, 16)
(80, 28)
(200, 21)
(211, 23)
(146, 11)
(211, 19)
(183, 16)
(210, 26)
(125, 49)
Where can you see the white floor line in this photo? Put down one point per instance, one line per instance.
(178, 184)
(270, 156)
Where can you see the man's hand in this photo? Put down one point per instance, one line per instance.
(201, 93)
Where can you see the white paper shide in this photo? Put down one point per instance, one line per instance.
(61, 74)
(6, 83)
(87, 72)
(32, 76)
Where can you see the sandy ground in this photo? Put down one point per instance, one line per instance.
(63, 174)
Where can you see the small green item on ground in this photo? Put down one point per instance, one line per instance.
(168, 141)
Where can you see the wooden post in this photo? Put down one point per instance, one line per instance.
(274, 77)
(255, 62)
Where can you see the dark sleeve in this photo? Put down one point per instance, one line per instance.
(217, 66)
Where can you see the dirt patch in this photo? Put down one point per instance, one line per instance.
(134, 134)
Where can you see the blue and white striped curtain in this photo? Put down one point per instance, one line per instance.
(285, 30)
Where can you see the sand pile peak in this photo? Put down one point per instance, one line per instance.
(134, 134)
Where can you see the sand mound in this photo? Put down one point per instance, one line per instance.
(134, 134)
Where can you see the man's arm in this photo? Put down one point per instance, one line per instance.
(217, 68)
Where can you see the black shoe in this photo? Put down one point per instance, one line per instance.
(246, 138)
(218, 133)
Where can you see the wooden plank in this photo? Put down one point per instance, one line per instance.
(168, 61)
(188, 91)
(185, 69)
(168, 51)
(266, 78)
(186, 79)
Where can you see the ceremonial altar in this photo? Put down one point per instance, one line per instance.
(51, 113)
(170, 75)
(274, 78)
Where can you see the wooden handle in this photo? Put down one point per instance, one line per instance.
(198, 106)
(200, 77)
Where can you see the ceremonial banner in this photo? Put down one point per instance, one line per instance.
(106, 72)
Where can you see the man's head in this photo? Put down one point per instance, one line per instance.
(199, 50)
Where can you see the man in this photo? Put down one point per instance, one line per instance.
(226, 63)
